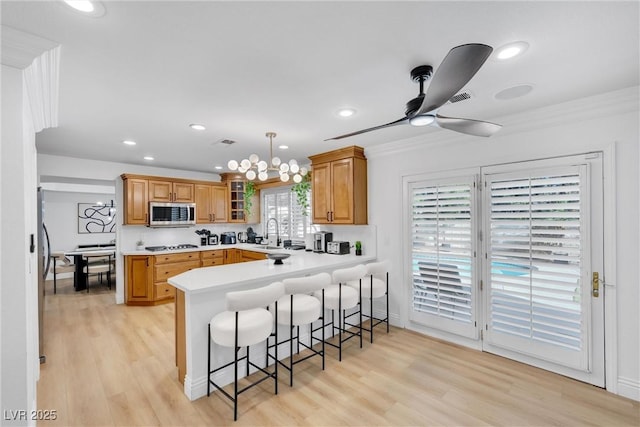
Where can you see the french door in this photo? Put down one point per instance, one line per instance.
(509, 259)
(543, 240)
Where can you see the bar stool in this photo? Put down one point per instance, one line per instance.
(340, 297)
(297, 307)
(245, 323)
(374, 284)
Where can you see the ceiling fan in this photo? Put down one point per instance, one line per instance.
(457, 68)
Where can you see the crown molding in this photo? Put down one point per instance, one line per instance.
(19, 49)
(590, 108)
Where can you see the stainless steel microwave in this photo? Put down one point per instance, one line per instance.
(172, 214)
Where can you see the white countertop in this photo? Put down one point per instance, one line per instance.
(243, 246)
(223, 277)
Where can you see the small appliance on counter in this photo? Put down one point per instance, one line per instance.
(308, 242)
(251, 235)
(338, 247)
(228, 238)
(242, 237)
(204, 236)
(213, 239)
(320, 241)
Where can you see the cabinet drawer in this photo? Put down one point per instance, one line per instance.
(209, 262)
(163, 290)
(164, 271)
(185, 256)
(212, 254)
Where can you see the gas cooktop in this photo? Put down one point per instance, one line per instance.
(171, 247)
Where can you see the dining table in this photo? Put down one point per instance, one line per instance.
(79, 257)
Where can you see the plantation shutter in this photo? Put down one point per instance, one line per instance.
(442, 230)
(282, 205)
(536, 250)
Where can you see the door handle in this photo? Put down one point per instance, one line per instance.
(595, 284)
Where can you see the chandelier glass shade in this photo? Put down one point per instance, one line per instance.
(254, 168)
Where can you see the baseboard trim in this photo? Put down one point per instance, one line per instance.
(629, 388)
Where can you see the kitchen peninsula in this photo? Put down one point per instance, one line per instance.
(200, 294)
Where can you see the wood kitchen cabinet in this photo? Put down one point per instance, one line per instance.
(232, 255)
(211, 197)
(236, 185)
(211, 203)
(146, 276)
(211, 258)
(169, 191)
(136, 201)
(139, 279)
(252, 256)
(339, 186)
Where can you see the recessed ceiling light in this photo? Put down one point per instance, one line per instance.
(196, 126)
(218, 167)
(511, 50)
(92, 8)
(283, 147)
(346, 112)
(128, 142)
(148, 157)
(514, 92)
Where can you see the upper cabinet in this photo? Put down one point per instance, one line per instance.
(136, 201)
(210, 197)
(211, 203)
(239, 210)
(169, 191)
(339, 186)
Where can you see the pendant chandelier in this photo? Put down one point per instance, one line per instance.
(254, 168)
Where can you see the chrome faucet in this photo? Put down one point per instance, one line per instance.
(270, 242)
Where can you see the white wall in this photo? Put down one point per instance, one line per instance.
(18, 314)
(576, 127)
(61, 218)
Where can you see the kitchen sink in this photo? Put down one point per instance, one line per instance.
(267, 247)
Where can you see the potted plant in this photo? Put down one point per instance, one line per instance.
(302, 193)
(140, 245)
(249, 192)
(358, 247)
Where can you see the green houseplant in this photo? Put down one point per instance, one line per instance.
(302, 190)
(358, 247)
(249, 192)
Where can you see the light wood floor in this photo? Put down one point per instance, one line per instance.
(110, 364)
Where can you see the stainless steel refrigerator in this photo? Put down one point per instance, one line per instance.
(44, 258)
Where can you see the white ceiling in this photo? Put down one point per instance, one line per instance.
(146, 70)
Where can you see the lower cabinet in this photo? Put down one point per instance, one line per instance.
(252, 256)
(146, 275)
(139, 279)
(211, 258)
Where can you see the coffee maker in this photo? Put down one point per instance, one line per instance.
(320, 240)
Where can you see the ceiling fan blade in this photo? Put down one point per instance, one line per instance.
(394, 123)
(457, 68)
(468, 126)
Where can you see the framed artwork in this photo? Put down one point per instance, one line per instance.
(96, 218)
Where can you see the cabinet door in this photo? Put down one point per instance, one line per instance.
(321, 190)
(183, 192)
(136, 199)
(342, 191)
(231, 256)
(139, 279)
(160, 191)
(219, 203)
(203, 204)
